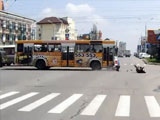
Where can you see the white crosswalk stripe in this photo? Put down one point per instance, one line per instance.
(65, 104)
(19, 99)
(123, 108)
(153, 106)
(8, 94)
(92, 108)
(39, 102)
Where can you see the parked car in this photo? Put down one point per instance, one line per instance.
(144, 55)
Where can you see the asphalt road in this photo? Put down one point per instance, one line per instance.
(58, 94)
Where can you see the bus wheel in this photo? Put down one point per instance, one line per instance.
(8, 64)
(95, 65)
(40, 64)
(47, 68)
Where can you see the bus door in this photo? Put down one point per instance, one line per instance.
(107, 57)
(25, 52)
(67, 55)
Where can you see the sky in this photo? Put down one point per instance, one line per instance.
(120, 20)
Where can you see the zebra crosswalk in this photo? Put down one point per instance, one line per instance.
(123, 106)
(92, 108)
(39, 102)
(65, 104)
(131, 64)
(16, 100)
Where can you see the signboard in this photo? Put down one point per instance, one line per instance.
(153, 38)
(67, 36)
(158, 37)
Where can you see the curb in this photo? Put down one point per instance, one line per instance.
(150, 63)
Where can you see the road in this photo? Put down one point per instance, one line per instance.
(29, 94)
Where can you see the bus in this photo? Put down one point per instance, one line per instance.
(43, 54)
(9, 52)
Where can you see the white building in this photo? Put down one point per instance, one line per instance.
(121, 49)
(72, 32)
(53, 28)
(15, 27)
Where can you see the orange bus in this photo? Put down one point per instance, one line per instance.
(43, 54)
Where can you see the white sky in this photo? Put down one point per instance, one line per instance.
(121, 20)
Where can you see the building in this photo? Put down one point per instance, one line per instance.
(153, 36)
(53, 28)
(71, 32)
(143, 44)
(15, 27)
(153, 40)
(121, 49)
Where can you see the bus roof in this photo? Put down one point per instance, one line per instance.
(67, 41)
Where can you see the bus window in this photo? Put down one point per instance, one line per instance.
(51, 48)
(64, 49)
(81, 47)
(57, 47)
(98, 48)
(91, 49)
(37, 47)
(44, 48)
(27, 49)
(40, 48)
(19, 47)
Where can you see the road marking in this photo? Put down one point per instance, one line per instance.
(8, 94)
(153, 106)
(123, 108)
(39, 102)
(125, 64)
(93, 107)
(65, 104)
(19, 99)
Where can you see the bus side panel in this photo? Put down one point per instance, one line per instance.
(82, 59)
(54, 59)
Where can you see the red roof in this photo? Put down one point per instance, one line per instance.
(52, 20)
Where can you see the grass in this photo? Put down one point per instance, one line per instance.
(153, 60)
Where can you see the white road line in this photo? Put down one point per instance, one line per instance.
(19, 99)
(8, 94)
(123, 108)
(39, 102)
(93, 107)
(153, 106)
(65, 104)
(125, 64)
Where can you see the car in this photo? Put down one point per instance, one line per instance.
(144, 55)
